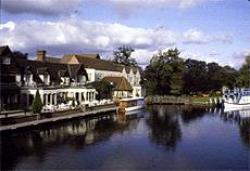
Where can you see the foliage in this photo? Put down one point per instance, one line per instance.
(244, 72)
(167, 73)
(37, 104)
(104, 89)
(164, 74)
(123, 56)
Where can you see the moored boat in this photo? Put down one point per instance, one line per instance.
(236, 99)
(130, 105)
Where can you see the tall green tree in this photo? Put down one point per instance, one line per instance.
(195, 77)
(37, 104)
(244, 78)
(164, 74)
(123, 56)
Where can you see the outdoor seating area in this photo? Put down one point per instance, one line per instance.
(71, 105)
(101, 102)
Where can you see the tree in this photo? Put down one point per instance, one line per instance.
(123, 56)
(37, 104)
(164, 75)
(103, 88)
(244, 72)
(195, 76)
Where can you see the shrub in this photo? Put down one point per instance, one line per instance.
(37, 104)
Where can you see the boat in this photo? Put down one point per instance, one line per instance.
(243, 114)
(130, 105)
(236, 99)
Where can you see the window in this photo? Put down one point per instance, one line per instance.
(46, 79)
(28, 79)
(67, 81)
(82, 79)
(6, 61)
(18, 78)
(90, 75)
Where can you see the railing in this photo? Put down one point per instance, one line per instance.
(42, 86)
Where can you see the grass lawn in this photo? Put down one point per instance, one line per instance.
(199, 100)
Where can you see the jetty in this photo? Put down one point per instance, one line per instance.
(183, 100)
(55, 119)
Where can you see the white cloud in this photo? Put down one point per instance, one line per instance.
(196, 36)
(239, 57)
(73, 34)
(47, 7)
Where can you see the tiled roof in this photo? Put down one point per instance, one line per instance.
(3, 49)
(121, 83)
(91, 62)
(52, 59)
(55, 70)
(77, 69)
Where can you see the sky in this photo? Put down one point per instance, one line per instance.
(209, 30)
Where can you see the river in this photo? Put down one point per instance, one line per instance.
(157, 138)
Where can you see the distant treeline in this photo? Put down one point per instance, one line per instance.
(167, 74)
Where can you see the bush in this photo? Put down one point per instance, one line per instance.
(37, 104)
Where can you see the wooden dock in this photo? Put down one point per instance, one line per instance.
(59, 118)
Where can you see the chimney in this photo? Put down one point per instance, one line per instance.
(40, 55)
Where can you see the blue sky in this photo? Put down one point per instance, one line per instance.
(210, 30)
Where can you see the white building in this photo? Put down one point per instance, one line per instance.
(56, 82)
(98, 69)
(60, 79)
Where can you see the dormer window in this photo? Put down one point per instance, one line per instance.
(81, 79)
(46, 79)
(66, 80)
(6, 61)
(29, 79)
(18, 78)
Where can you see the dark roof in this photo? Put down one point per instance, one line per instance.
(91, 62)
(4, 50)
(91, 55)
(52, 59)
(55, 70)
(10, 69)
(121, 83)
(77, 69)
(42, 70)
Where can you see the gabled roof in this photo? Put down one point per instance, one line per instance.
(4, 50)
(55, 70)
(77, 69)
(121, 83)
(11, 69)
(42, 70)
(52, 59)
(91, 62)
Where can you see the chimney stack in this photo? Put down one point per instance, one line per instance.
(41, 55)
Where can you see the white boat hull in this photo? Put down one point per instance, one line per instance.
(234, 106)
(132, 110)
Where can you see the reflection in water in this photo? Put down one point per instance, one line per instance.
(125, 142)
(242, 118)
(192, 114)
(77, 135)
(164, 124)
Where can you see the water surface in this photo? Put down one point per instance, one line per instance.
(159, 137)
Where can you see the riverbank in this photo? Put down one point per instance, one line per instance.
(34, 120)
(183, 100)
